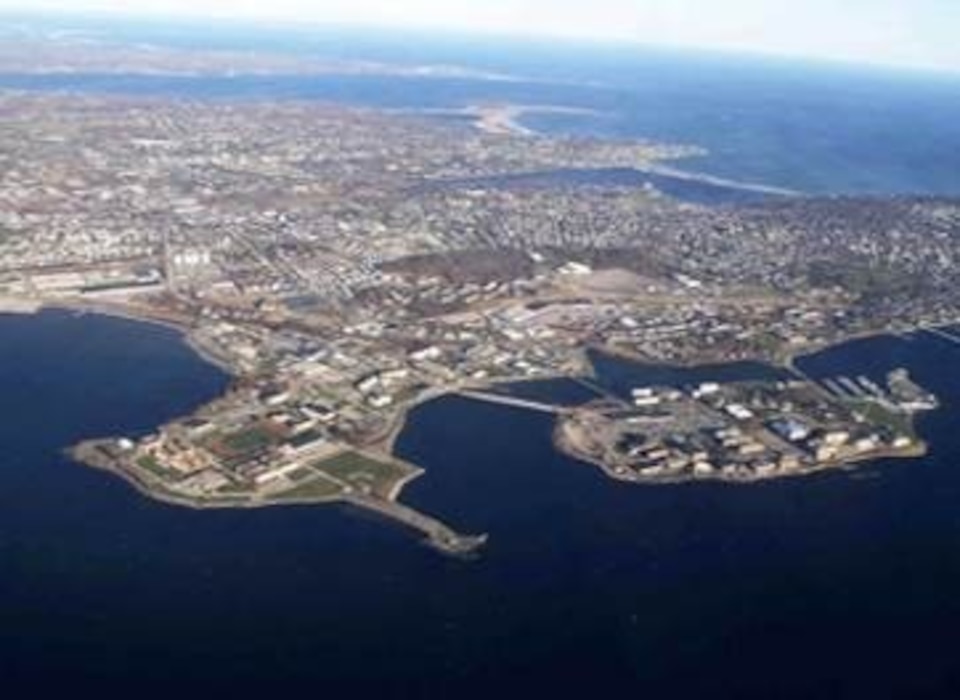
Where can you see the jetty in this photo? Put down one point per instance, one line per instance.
(438, 534)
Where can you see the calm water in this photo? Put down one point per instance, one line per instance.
(837, 586)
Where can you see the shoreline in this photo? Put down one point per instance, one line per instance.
(784, 361)
(31, 307)
(501, 119)
(506, 119)
(384, 447)
(437, 534)
(86, 452)
(184, 328)
(563, 446)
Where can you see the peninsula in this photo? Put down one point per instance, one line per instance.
(307, 250)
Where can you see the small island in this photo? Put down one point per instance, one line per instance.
(747, 431)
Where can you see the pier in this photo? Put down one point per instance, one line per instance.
(834, 388)
(851, 386)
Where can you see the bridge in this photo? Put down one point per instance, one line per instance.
(940, 333)
(725, 183)
(600, 391)
(514, 401)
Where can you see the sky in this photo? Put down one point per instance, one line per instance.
(917, 33)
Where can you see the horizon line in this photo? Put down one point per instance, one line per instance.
(291, 26)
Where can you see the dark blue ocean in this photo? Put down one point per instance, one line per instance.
(842, 585)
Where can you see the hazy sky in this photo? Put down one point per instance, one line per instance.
(908, 32)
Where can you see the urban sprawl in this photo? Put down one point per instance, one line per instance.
(346, 265)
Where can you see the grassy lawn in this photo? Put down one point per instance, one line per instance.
(247, 440)
(899, 423)
(300, 474)
(317, 489)
(150, 464)
(224, 501)
(359, 470)
(233, 489)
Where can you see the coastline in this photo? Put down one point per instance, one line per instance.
(507, 120)
(19, 307)
(384, 447)
(564, 447)
(501, 119)
(437, 534)
(87, 452)
(185, 328)
(786, 360)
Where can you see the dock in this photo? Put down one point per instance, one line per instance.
(852, 387)
(834, 388)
